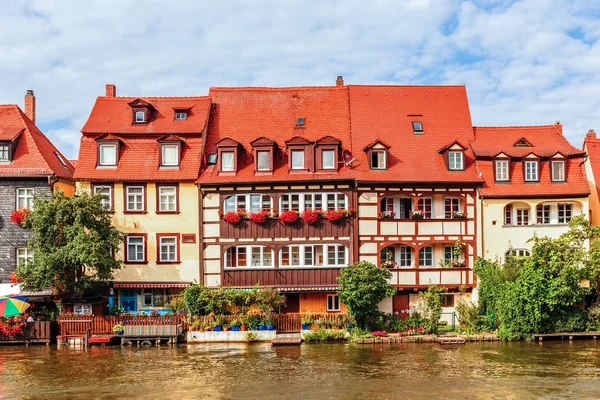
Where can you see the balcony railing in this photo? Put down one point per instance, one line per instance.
(422, 277)
(282, 277)
(423, 227)
(273, 228)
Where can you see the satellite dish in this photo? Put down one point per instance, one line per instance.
(348, 159)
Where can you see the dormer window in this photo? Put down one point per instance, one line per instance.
(297, 159)
(326, 154)
(417, 127)
(228, 156)
(140, 116)
(531, 171)
(263, 160)
(378, 159)
(227, 161)
(558, 170)
(501, 168)
(181, 115)
(302, 155)
(264, 149)
(107, 154)
(169, 155)
(4, 152)
(328, 158)
(455, 160)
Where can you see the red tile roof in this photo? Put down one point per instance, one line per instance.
(245, 114)
(385, 113)
(545, 141)
(592, 146)
(35, 155)
(138, 160)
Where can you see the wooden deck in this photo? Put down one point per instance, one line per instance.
(451, 340)
(101, 339)
(287, 340)
(567, 335)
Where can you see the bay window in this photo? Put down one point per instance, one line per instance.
(249, 256)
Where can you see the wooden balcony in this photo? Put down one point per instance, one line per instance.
(422, 277)
(281, 277)
(273, 228)
(424, 227)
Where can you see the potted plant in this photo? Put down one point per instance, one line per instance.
(18, 216)
(335, 215)
(289, 216)
(417, 214)
(269, 322)
(389, 264)
(259, 217)
(306, 321)
(219, 322)
(311, 216)
(387, 214)
(348, 320)
(118, 329)
(235, 324)
(233, 217)
(456, 215)
(254, 319)
(242, 322)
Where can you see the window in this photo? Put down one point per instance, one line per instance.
(502, 170)
(249, 256)
(448, 253)
(543, 213)
(168, 248)
(402, 206)
(263, 160)
(227, 161)
(426, 256)
(405, 259)
(425, 205)
(188, 238)
(312, 201)
(106, 192)
(387, 254)
(169, 155)
(300, 121)
(212, 159)
(455, 160)
(62, 160)
(82, 309)
(417, 127)
(308, 255)
(135, 198)
(328, 159)
(154, 298)
(558, 171)
(25, 198)
(108, 154)
(517, 253)
(522, 216)
(140, 116)
(4, 153)
(136, 249)
(167, 196)
(508, 215)
(333, 302)
(248, 202)
(378, 159)
(297, 159)
(447, 300)
(565, 213)
(531, 170)
(181, 115)
(451, 205)
(24, 256)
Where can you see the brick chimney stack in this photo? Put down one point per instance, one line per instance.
(111, 90)
(339, 81)
(30, 105)
(591, 134)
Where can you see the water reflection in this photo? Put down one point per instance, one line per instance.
(332, 371)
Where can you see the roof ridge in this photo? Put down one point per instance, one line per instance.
(404, 85)
(272, 89)
(513, 126)
(156, 97)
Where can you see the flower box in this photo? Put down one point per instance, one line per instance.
(335, 215)
(456, 215)
(18, 216)
(387, 214)
(417, 214)
(289, 216)
(259, 217)
(311, 216)
(234, 217)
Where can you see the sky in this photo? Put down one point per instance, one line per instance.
(529, 62)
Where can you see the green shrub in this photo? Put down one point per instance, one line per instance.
(468, 317)
(571, 320)
(325, 335)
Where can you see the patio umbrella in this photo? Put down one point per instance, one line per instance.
(13, 305)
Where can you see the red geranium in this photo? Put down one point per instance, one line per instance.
(14, 278)
(259, 217)
(311, 216)
(335, 215)
(289, 216)
(233, 217)
(12, 325)
(379, 334)
(18, 216)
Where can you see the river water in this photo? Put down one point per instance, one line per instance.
(327, 371)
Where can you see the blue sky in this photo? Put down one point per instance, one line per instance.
(528, 62)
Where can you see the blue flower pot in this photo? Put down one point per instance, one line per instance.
(254, 328)
(305, 327)
(218, 328)
(270, 327)
(119, 333)
(235, 328)
(349, 326)
(261, 327)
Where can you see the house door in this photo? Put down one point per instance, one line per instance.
(401, 305)
(292, 303)
(128, 300)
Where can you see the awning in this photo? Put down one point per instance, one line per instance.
(15, 288)
(309, 289)
(125, 285)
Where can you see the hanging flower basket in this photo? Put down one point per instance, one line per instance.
(289, 216)
(233, 217)
(311, 216)
(335, 215)
(259, 217)
(18, 216)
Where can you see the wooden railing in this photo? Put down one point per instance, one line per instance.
(38, 331)
(285, 323)
(272, 228)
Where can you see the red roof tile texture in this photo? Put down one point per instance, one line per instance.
(139, 147)
(545, 142)
(35, 155)
(246, 114)
(386, 113)
(592, 146)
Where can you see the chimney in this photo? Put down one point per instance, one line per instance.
(591, 134)
(339, 81)
(30, 105)
(111, 90)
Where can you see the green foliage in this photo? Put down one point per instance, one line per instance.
(570, 320)
(325, 335)
(73, 242)
(431, 308)
(362, 286)
(468, 316)
(201, 300)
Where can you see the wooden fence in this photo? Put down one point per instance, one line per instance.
(33, 332)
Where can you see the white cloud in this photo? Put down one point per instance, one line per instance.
(524, 62)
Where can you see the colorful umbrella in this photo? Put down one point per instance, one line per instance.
(13, 305)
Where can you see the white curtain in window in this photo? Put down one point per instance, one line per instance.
(170, 155)
(264, 160)
(227, 161)
(108, 155)
(328, 159)
(297, 159)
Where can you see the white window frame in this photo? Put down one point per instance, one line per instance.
(302, 197)
(137, 197)
(404, 253)
(263, 250)
(135, 259)
(546, 213)
(561, 177)
(324, 253)
(24, 198)
(106, 202)
(531, 174)
(293, 166)
(502, 174)
(268, 159)
(456, 160)
(518, 253)
(248, 202)
(82, 309)
(181, 115)
(332, 299)
(170, 199)
(4, 150)
(381, 159)
(521, 211)
(24, 256)
(228, 168)
(163, 148)
(101, 160)
(137, 116)
(426, 257)
(328, 166)
(171, 249)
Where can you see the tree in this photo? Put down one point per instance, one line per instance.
(431, 308)
(362, 287)
(73, 242)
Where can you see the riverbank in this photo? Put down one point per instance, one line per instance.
(487, 337)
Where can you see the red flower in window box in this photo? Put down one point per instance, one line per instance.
(18, 216)
(259, 217)
(335, 215)
(311, 216)
(233, 217)
(14, 278)
(289, 216)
